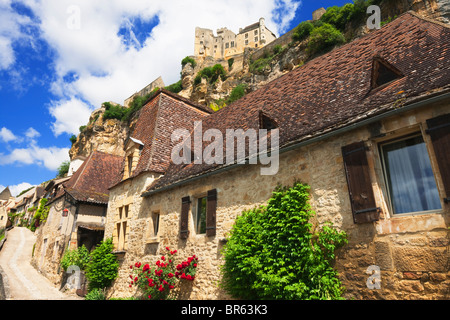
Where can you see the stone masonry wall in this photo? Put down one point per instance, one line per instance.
(412, 251)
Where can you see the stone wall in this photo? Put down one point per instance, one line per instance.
(412, 251)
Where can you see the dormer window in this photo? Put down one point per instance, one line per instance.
(383, 73)
(133, 149)
(266, 122)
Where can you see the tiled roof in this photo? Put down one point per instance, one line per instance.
(91, 181)
(335, 89)
(161, 115)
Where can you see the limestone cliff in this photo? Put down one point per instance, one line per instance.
(103, 135)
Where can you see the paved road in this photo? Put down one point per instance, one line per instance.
(21, 280)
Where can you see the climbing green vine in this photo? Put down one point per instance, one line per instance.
(274, 252)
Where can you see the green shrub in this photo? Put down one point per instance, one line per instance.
(76, 257)
(82, 128)
(114, 111)
(175, 88)
(211, 74)
(187, 60)
(277, 49)
(273, 252)
(324, 38)
(63, 169)
(230, 63)
(103, 267)
(237, 93)
(302, 31)
(96, 294)
(73, 139)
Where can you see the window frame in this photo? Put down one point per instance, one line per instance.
(196, 213)
(387, 187)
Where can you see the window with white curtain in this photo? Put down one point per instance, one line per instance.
(409, 176)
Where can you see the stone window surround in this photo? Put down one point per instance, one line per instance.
(408, 221)
(151, 238)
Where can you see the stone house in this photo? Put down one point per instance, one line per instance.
(366, 126)
(6, 203)
(147, 156)
(227, 44)
(77, 212)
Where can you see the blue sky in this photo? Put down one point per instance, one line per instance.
(60, 59)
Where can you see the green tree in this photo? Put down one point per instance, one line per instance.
(324, 38)
(76, 257)
(274, 252)
(103, 268)
(63, 169)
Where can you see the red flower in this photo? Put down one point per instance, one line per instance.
(162, 258)
(136, 279)
(130, 285)
(195, 265)
(149, 296)
(167, 248)
(161, 288)
(171, 286)
(179, 267)
(146, 267)
(165, 282)
(170, 275)
(137, 264)
(131, 267)
(158, 263)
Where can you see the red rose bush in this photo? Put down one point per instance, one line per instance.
(157, 282)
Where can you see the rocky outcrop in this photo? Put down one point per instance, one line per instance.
(102, 135)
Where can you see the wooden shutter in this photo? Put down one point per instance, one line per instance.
(184, 219)
(211, 213)
(359, 185)
(439, 131)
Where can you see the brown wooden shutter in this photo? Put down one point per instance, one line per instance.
(184, 218)
(439, 131)
(211, 213)
(359, 185)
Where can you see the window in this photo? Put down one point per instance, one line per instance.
(200, 218)
(232, 44)
(256, 39)
(246, 42)
(155, 220)
(383, 73)
(256, 32)
(121, 232)
(410, 180)
(130, 165)
(227, 45)
(203, 214)
(246, 36)
(266, 122)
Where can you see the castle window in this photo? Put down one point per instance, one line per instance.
(246, 42)
(256, 31)
(256, 39)
(232, 44)
(227, 45)
(246, 36)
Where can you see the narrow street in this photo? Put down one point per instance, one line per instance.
(21, 280)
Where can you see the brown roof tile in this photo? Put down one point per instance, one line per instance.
(91, 181)
(160, 116)
(334, 89)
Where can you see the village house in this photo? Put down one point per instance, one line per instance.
(227, 44)
(147, 156)
(6, 203)
(77, 212)
(366, 125)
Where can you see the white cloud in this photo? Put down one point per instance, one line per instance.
(84, 36)
(50, 158)
(32, 133)
(10, 32)
(17, 189)
(6, 135)
(69, 115)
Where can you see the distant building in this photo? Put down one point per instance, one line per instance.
(227, 43)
